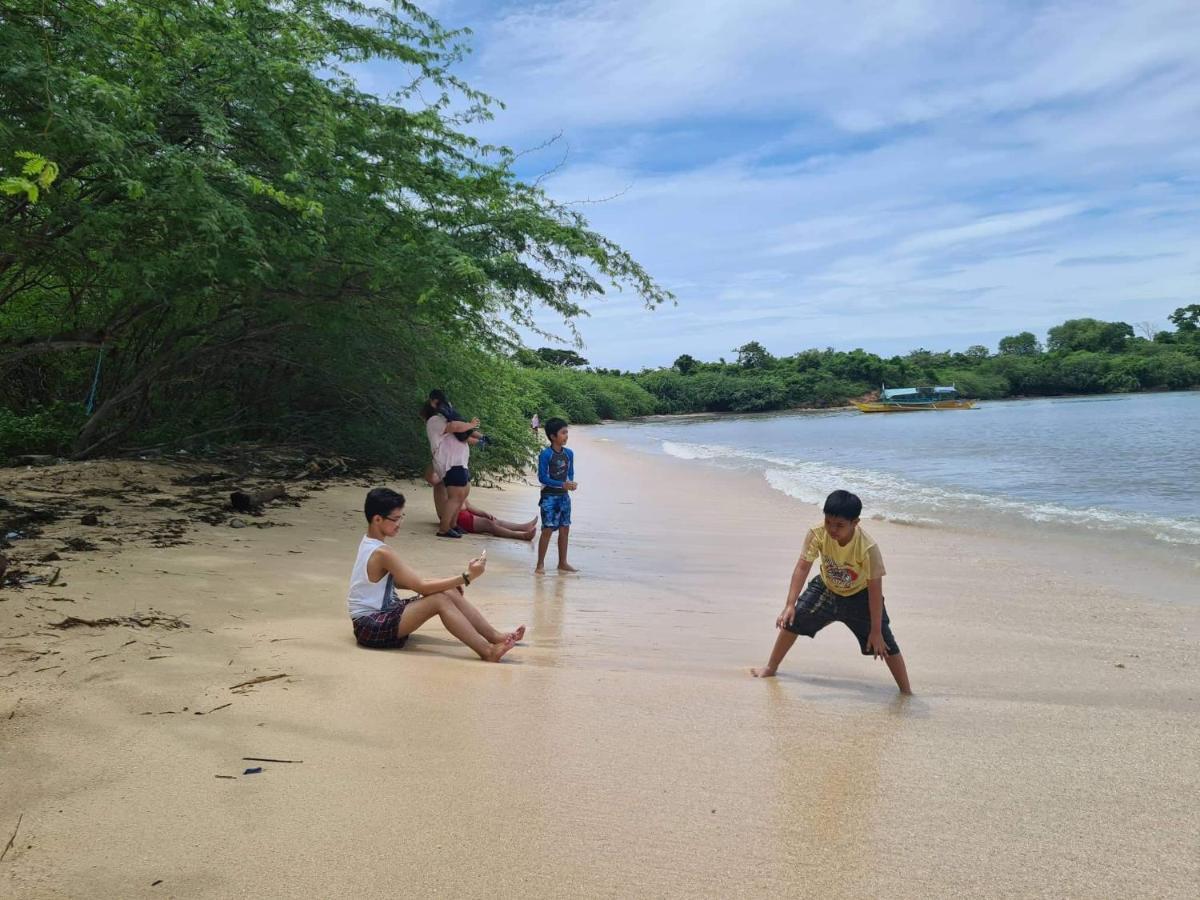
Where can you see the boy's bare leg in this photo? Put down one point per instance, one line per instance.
(895, 663)
(477, 620)
(446, 608)
(783, 643)
(543, 545)
(564, 534)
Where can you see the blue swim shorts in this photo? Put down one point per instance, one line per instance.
(556, 510)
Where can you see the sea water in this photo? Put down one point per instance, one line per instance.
(1126, 466)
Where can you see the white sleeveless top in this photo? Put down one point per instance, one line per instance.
(368, 596)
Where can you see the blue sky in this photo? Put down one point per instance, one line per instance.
(889, 175)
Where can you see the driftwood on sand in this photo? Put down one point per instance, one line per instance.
(244, 501)
(134, 621)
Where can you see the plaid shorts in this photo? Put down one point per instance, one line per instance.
(817, 606)
(556, 511)
(378, 630)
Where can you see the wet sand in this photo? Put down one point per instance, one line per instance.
(1052, 747)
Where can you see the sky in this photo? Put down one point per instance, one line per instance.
(884, 175)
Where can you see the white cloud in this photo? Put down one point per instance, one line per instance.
(867, 173)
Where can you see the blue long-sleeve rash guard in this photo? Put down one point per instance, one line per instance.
(554, 469)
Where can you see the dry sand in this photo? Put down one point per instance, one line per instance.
(1052, 749)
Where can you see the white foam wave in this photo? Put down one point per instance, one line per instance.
(899, 499)
(696, 451)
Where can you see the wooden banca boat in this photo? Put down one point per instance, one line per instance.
(915, 399)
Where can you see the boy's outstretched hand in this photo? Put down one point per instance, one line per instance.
(476, 566)
(876, 645)
(786, 617)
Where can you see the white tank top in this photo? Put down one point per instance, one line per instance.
(368, 596)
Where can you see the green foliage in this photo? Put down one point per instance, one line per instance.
(261, 248)
(558, 356)
(1091, 335)
(1186, 318)
(37, 174)
(1023, 344)
(41, 430)
(753, 356)
(684, 364)
(818, 378)
(587, 397)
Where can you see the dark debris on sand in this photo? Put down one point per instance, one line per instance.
(152, 500)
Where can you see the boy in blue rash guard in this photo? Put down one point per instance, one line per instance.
(556, 472)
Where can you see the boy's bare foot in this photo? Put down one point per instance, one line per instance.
(566, 567)
(763, 672)
(518, 634)
(540, 570)
(499, 649)
(528, 535)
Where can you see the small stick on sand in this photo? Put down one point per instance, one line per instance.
(258, 680)
(8, 846)
(268, 759)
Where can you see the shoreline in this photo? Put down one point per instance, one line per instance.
(623, 748)
(850, 406)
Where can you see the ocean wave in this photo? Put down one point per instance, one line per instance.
(899, 499)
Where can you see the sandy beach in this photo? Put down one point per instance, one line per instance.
(1052, 748)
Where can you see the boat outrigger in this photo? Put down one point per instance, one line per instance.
(915, 399)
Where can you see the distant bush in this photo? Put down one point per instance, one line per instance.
(48, 430)
(586, 397)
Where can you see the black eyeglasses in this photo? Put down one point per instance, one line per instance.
(395, 519)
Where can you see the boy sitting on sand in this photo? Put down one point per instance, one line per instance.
(382, 620)
(556, 472)
(848, 589)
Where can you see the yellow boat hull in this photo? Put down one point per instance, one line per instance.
(893, 406)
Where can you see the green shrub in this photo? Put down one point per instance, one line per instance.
(49, 430)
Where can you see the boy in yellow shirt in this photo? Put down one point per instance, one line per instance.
(848, 589)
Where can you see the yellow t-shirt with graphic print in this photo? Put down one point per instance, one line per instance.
(845, 570)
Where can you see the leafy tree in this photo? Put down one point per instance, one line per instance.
(526, 358)
(684, 364)
(977, 353)
(1186, 318)
(753, 356)
(1090, 335)
(1023, 344)
(557, 356)
(251, 244)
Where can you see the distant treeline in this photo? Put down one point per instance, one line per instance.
(1080, 356)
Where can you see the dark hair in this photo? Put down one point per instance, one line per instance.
(554, 426)
(381, 502)
(438, 394)
(843, 504)
(427, 411)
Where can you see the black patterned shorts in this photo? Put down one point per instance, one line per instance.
(817, 606)
(378, 630)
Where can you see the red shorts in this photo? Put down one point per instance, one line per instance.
(466, 521)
